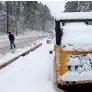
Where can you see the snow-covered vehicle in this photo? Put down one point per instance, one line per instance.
(73, 49)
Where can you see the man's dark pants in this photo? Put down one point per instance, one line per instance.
(12, 44)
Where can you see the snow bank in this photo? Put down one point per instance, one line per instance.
(74, 15)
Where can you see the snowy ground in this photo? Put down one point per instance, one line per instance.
(30, 73)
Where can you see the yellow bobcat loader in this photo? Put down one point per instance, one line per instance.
(61, 56)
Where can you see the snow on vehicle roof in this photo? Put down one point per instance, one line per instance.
(77, 35)
(74, 15)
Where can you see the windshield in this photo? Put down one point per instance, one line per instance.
(77, 33)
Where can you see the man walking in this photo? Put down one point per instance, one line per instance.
(11, 38)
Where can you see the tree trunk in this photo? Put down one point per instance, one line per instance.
(17, 16)
(7, 17)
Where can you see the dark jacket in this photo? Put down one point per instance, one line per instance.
(11, 37)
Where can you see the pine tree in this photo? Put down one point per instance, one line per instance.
(22, 15)
(71, 6)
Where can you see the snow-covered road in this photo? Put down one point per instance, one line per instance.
(20, 43)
